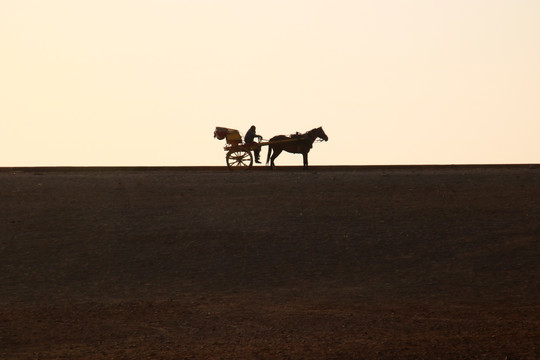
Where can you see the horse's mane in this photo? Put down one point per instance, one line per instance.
(299, 134)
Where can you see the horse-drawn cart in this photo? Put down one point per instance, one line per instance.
(239, 155)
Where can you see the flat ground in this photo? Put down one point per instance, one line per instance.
(330, 263)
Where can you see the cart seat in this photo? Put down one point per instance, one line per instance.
(233, 137)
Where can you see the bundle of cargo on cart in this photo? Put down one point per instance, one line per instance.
(239, 151)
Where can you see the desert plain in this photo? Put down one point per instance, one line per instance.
(412, 262)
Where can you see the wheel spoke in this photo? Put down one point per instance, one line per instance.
(239, 159)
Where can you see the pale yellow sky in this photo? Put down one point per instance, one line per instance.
(145, 82)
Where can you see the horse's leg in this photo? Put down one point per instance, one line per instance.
(275, 154)
(305, 160)
(269, 153)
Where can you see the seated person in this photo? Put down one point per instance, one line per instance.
(249, 139)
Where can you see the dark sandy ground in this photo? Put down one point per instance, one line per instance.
(330, 263)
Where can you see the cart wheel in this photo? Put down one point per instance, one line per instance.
(239, 159)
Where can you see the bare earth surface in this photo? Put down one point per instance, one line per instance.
(330, 263)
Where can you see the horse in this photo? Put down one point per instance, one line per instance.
(296, 144)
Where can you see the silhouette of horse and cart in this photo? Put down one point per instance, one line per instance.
(239, 155)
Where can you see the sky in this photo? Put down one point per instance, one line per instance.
(392, 82)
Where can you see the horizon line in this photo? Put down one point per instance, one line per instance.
(260, 168)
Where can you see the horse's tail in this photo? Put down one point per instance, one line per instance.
(269, 154)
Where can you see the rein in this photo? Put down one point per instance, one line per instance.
(307, 136)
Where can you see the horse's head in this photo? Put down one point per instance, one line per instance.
(320, 133)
